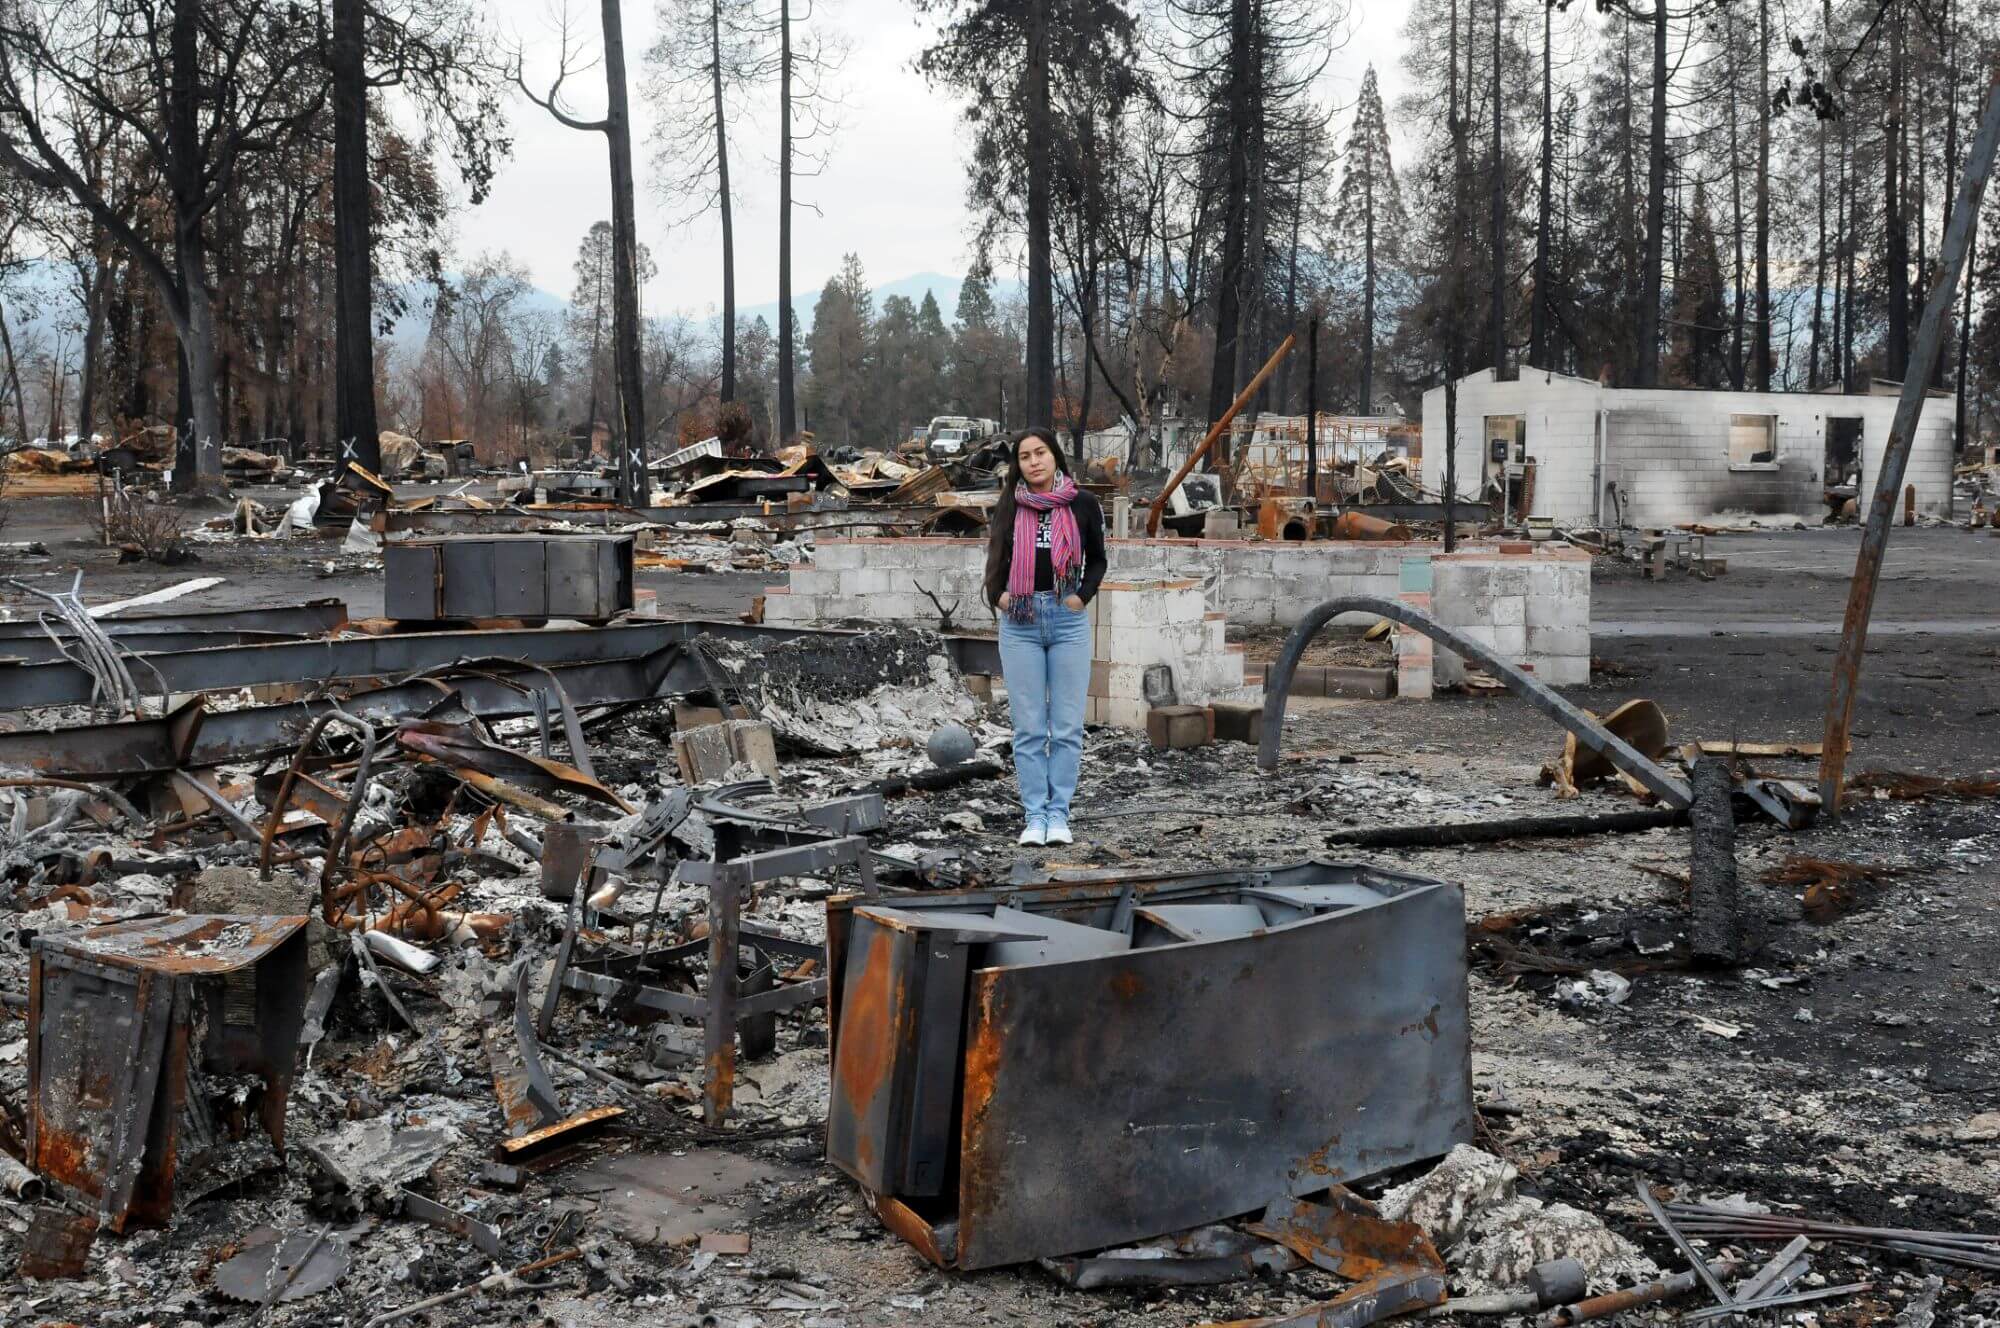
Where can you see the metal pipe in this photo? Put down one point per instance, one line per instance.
(1846, 683)
(1651, 1293)
(1278, 685)
(1215, 430)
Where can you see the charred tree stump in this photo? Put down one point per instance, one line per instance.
(1714, 928)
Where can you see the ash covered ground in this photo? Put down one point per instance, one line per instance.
(1849, 1070)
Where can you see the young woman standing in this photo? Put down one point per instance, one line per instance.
(1043, 564)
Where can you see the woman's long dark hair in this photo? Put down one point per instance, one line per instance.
(1000, 522)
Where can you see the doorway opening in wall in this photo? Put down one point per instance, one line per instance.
(1843, 454)
(1509, 473)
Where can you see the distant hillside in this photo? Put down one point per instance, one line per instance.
(42, 290)
(944, 288)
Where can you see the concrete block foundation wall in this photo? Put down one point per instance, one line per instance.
(1530, 603)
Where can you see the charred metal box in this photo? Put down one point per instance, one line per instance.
(151, 1043)
(587, 577)
(1060, 1067)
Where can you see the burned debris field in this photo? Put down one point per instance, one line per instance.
(391, 995)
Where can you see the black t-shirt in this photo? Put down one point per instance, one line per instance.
(1090, 526)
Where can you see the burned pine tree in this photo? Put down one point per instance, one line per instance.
(436, 54)
(1003, 57)
(708, 55)
(1368, 221)
(195, 134)
(634, 484)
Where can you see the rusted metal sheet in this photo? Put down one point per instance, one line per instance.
(549, 1135)
(57, 1244)
(125, 1025)
(1105, 1079)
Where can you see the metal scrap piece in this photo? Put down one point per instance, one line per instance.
(1206, 1256)
(57, 1245)
(1346, 1236)
(1395, 1291)
(1666, 1224)
(303, 1264)
(484, 1238)
(520, 1080)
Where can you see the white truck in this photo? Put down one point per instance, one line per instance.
(952, 436)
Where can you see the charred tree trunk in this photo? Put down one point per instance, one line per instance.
(1496, 309)
(1763, 334)
(1896, 348)
(1235, 219)
(360, 439)
(1041, 340)
(1538, 313)
(635, 485)
(95, 315)
(198, 460)
(726, 392)
(1652, 281)
(14, 381)
(1368, 296)
(1739, 286)
(788, 413)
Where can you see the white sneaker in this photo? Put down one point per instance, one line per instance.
(1057, 833)
(1034, 835)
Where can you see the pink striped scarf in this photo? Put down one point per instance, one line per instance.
(1065, 545)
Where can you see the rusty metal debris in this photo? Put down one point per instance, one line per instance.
(58, 1244)
(1960, 1249)
(1346, 1236)
(955, 1015)
(125, 1024)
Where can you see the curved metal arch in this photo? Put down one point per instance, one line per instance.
(1278, 686)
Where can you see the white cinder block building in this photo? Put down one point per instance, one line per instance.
(1657, 456)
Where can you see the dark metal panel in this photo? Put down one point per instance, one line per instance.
(410, 581)
(42, 650)
(519, 573)
(575, 587)
(1120, 1097)
(465, 587)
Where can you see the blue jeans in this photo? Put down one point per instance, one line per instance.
(1047, 667)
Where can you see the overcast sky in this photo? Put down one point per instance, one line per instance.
(893, 191)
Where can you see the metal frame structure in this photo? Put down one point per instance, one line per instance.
(401, 655)
(750, 846)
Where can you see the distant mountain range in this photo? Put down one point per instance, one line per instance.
(44, 287)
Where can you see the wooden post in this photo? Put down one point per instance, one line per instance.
(1896, 453)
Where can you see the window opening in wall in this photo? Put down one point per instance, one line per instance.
(1843, 451)
(1753, 441)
